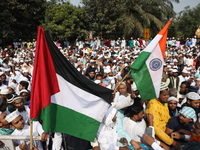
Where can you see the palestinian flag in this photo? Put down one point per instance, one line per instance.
(148, 67)
(64, 99)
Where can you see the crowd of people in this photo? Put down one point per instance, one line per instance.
(170, 121)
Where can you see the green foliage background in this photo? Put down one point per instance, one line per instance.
(106, 18)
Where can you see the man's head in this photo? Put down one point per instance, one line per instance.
(15, 120)
(16, 101)
(164, 93)
(99, 77)
(184, 87)
(173, 92)
(3, 122)
(91, 74)
(175, 72)
(193, 100)
(172, 103)
(25, 72)
(3, 78)
(25, 95)
(7, 72)
(165, 68)
(11, 88)
(184, 73)
(4, 93)
(136, 112)
(187, 114)
(23, 85)
(122, 88)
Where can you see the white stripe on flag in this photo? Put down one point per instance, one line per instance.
(156, 75)
(153, 43)
(79, 100)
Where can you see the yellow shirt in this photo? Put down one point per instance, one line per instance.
(161, 116)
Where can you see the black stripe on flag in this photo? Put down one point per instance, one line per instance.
(65, 69)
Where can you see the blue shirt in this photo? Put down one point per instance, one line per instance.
(175, 124)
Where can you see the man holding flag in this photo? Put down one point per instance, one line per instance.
(148, 67)
(62, 98)
(147, 70)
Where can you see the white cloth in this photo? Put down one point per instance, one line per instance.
(3, 86)
(189, 61)
(155, 146)
(107, 134)
(57, 141)
(122, 102)
(134, 129)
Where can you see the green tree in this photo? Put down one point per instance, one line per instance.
(103, 16)
(188, 21)
(128, 17)
(20, 18)
(65, 21)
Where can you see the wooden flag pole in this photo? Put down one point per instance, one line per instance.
(31, 134)
(122, 80)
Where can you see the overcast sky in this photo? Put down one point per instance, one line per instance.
(177, 7)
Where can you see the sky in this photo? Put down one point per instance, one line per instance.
(177, 7)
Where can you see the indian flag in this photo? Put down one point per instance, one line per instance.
(62, 98)
(148, 67)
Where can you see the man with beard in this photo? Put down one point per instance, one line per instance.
(3, 79)
(17, 103)
(193, 100)
(91, 75)
(173, 81)
(184, 89)
(172, 105)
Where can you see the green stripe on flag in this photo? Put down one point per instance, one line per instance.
(144, 83)
(68, 121)
(142, 77)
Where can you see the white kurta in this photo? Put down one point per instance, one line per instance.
(26, 114)
(122, 101)
(37, 131)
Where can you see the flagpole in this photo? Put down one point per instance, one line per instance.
(31, 134)
(122, 79)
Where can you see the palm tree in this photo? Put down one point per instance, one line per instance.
(129, 17)
(140, 14)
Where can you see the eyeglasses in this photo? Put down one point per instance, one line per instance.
(122, 88)
(173, 103)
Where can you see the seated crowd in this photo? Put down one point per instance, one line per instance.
(170, 121)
